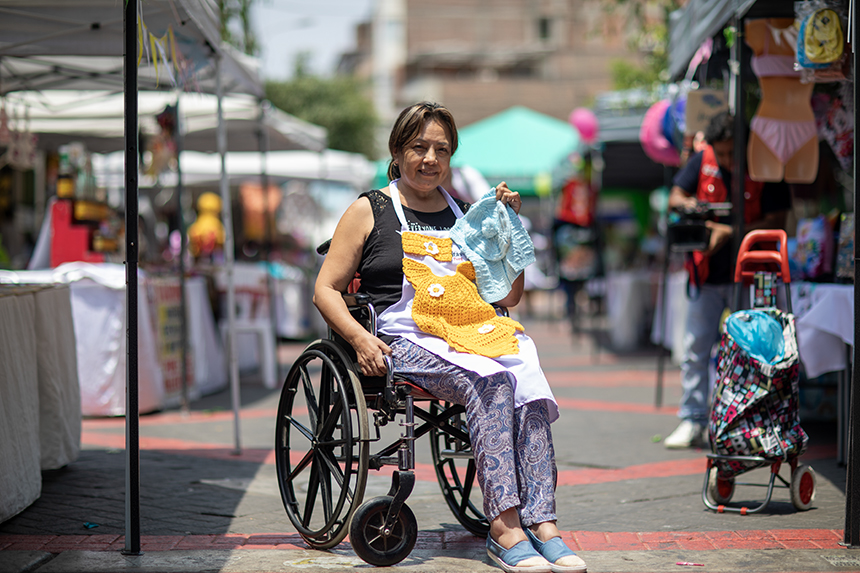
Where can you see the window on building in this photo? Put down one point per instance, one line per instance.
(544, 29)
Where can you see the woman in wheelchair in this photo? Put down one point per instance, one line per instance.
(438, 333)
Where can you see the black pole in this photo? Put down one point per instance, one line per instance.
(740, 141)
(183, 248)
(851, 534)
(132, 421)
(664, 287)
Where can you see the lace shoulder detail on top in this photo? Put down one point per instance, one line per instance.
(378, 201)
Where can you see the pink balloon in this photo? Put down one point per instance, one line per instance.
(654, 143)
(585, 122)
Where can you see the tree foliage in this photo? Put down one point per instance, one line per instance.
(337, 103)
(648, 21)
(238, 10)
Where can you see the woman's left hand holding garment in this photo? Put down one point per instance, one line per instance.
(509, 197)
(513, 199)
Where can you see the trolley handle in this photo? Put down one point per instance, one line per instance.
(769, 256)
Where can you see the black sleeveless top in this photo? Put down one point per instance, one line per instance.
(381, 266)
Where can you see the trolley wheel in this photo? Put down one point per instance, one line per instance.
(720, 490)
(455, 470)
(321, 447)
(373, 542)
(803, 487)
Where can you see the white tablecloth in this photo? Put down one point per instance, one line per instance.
(98, 309)
(825, 324)
(59, 389)
(629, 305)
(676, 315)
(20, 472)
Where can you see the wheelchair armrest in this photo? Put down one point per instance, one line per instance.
(354, 299)
(323, 248)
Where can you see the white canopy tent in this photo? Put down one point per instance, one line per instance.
(96, 118)
(157, 43)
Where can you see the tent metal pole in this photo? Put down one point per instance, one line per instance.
(740, 140)
(132, 417)
(851, 533)
(229, 253)
(268, 232)
(183, 248)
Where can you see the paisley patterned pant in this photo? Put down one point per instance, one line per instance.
(512, 447)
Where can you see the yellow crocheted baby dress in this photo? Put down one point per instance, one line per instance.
(422, 245)
(451, 308)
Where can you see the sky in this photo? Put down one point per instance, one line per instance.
(325, 28)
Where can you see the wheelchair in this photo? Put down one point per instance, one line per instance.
(323, 450)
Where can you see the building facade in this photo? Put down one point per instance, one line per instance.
(479, 57)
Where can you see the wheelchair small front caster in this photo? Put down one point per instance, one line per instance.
(373, 541)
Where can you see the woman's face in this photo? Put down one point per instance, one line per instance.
(424, 162)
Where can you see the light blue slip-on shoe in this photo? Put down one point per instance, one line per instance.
(555, 550)
(509, 559)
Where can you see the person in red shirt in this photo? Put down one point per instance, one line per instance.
(707, 178)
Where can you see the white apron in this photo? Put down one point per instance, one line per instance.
(530, 382)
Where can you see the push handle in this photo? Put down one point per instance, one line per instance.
(767, 257)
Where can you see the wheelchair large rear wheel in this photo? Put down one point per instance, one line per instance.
(455, 469)
(321, 446)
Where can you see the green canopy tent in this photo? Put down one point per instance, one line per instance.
(528, 150)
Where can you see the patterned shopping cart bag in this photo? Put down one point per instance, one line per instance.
(755, 404)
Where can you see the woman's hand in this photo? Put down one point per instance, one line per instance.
(369, 351)
(508, 197)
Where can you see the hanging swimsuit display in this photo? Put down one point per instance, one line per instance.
(441, 311)
(780, 129)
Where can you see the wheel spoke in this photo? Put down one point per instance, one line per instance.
(326, 429)
(326, 493)
(310, 396)
(313, 484)
(303, 463)
(305, 431)
(467, 486)
(333, 467)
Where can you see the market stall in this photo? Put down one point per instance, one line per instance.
(802, 59)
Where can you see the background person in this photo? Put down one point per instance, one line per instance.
(394, 238)
(707, 178)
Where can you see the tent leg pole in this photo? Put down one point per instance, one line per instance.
(132, 419)
(268, 238)
(229, 251)
(183, 248)
(851, 534)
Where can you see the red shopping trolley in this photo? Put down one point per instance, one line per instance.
(754, 419)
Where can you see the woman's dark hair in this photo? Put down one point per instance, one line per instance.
(720, 128)
(409, 124)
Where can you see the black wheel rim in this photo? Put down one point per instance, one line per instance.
(315, 449)
(374, 528)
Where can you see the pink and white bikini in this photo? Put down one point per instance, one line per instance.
(783, 137)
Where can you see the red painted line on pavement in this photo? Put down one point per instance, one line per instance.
(703, 543)
(161, 418)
